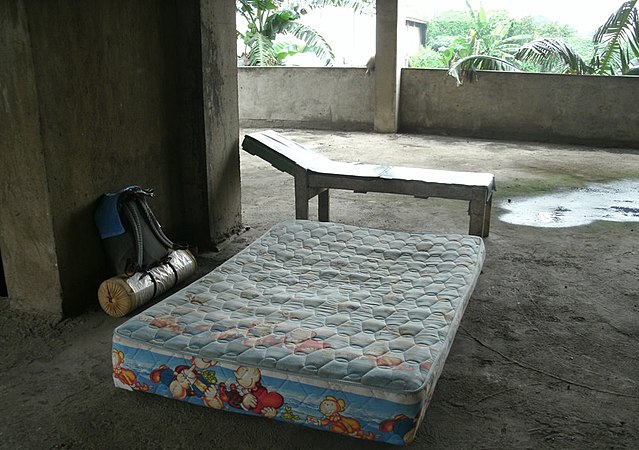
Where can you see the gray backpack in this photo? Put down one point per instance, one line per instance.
(131, 235)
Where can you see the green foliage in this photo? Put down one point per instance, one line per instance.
(359, 6)
(543, 29)
(285, 48)
(427, 57)
(268, 21)
(581, 46)
(313, 41)
(552, 53)
(539, 28)
(615, 45)
(617, 41)
(438, 43)
(455, 35)
(449, 24)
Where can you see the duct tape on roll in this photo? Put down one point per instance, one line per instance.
(120, 295)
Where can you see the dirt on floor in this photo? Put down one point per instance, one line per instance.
(545, 357)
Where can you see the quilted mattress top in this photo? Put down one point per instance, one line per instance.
(325, 300)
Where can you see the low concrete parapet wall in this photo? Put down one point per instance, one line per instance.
(587, 110)
(301, 97)
(590, 110)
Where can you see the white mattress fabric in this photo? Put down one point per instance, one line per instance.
(323, 324)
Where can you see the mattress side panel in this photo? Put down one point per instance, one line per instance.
(370, 415)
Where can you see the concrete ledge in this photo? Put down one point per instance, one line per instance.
(307, 125)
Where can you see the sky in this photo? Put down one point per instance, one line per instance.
(584, 15)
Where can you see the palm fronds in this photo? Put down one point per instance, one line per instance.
(267, 20)
(314, 41)
(616, 45)
(616, 40)
(261, 51)
(550, 53)
(359, 6)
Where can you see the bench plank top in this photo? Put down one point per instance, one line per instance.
(281, 152)
(284, 154)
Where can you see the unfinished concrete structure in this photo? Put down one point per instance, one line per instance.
(546, 355)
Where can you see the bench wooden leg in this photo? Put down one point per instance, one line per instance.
(479, 210)
(487, 212)
(322, 206)
(301, 194)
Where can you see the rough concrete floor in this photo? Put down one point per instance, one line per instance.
(546, 356)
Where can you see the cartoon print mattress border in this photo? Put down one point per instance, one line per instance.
(327, 325)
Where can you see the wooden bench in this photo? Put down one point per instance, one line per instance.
(315, 174)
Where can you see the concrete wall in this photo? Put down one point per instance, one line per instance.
(323, 98)
(98, 96)
(539, 107)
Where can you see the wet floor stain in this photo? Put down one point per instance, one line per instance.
(616, 201)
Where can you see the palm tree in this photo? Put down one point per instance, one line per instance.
(268, 19)
(616, 44)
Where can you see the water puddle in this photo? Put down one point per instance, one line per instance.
(616, 201)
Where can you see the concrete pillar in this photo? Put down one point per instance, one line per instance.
(221, 115)
(27, 243)
(192, 151)
(387, 67)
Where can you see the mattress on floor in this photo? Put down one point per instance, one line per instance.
(326, 325)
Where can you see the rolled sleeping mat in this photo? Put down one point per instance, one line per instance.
(120, 295)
